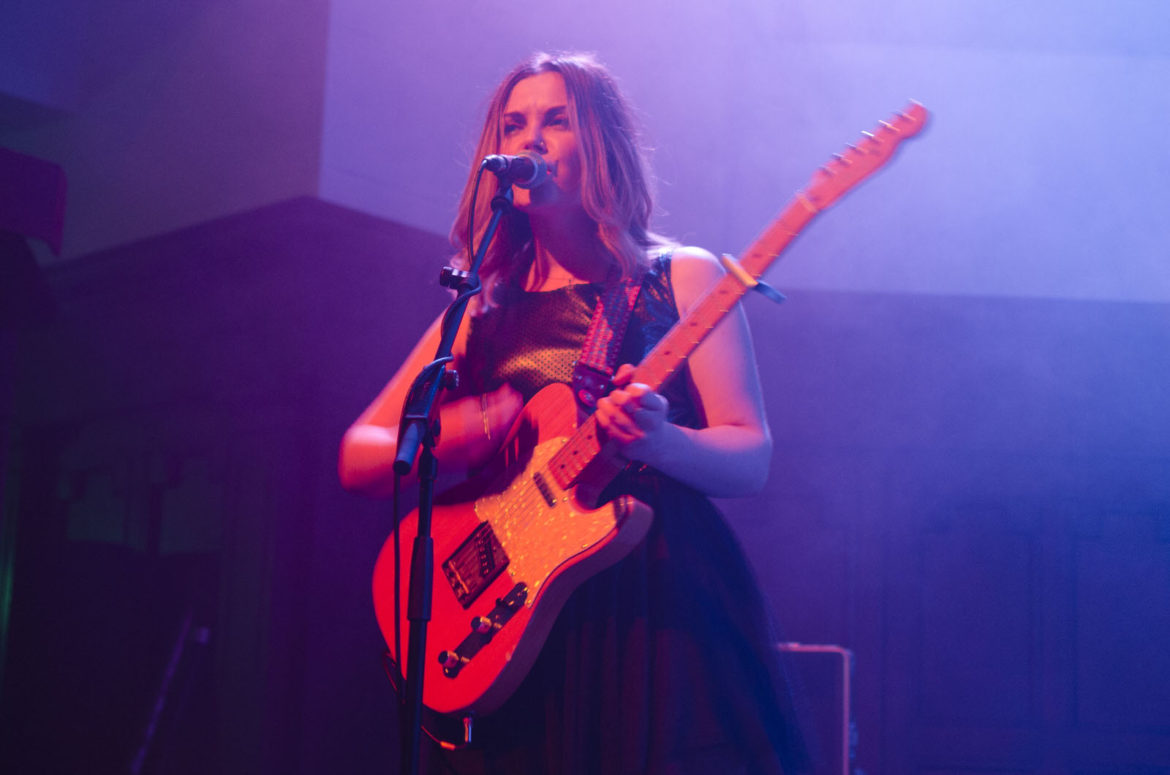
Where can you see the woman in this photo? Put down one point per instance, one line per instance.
(663, 663)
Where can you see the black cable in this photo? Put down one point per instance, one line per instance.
(471, 215)
(398, 582)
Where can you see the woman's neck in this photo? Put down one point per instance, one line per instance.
(567, 251)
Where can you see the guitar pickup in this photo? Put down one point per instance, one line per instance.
(475, 564)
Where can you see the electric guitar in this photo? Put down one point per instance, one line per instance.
(515, 542)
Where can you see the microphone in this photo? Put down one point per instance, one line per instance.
(527, 170)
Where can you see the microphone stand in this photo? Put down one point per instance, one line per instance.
(419, 427)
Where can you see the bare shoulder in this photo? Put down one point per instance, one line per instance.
(692, 271)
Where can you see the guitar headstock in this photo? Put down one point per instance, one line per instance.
(857, 162)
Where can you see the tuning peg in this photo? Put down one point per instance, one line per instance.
(841, 158)
(903, 114)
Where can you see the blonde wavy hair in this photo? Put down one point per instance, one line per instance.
(615, 181)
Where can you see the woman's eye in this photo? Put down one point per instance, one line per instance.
(559, 121)
(511, 128)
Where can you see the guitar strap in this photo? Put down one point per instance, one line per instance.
(593, 372)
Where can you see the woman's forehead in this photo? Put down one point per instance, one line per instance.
(540, 91)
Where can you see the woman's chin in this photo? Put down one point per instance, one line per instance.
(544, 199)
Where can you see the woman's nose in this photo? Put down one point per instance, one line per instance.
(535, 141)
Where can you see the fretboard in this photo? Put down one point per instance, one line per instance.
(672, 351)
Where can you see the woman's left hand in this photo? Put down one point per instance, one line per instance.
(633, 417)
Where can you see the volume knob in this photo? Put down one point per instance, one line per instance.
(451, 659)
(482, 624)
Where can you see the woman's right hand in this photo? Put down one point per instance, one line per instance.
(471, 431)
(472, 428)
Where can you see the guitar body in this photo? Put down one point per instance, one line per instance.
(510, 547)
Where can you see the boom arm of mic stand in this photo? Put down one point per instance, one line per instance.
(422, 400)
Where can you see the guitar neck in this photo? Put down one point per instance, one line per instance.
(828, 184)
(672, 351)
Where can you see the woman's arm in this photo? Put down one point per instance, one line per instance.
(471, 427)
(731, 455)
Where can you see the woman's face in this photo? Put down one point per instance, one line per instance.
(536, 118)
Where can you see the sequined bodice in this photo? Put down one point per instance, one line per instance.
(532, 339)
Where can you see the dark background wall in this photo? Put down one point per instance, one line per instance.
(970, 493)
(973, 494)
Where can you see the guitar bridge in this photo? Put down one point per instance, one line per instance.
(475, 564)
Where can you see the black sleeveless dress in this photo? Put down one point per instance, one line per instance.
(664, 663)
